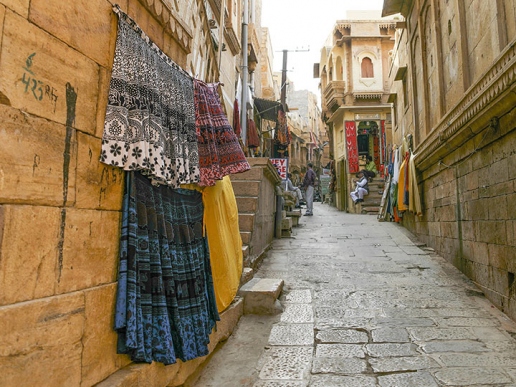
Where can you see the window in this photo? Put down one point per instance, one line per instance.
(367, 68)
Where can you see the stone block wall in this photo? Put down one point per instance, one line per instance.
(59, 206)
(470, 210)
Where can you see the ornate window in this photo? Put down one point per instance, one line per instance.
(367, 68)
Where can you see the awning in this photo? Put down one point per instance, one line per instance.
(268, 109)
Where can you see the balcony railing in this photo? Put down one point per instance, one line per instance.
(334, 94)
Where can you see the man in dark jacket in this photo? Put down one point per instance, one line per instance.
(308, 186)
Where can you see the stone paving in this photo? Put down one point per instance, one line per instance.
(366, 305)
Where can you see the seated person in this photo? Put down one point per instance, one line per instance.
(370, 168)
(288, 186)
(361, 188)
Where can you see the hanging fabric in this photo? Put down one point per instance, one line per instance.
(253, 140)
(236, 119)
(220, 153)
(165, 300)
(224, 241)
(352, 146)
(415, 197)
(150, 119)
(282, 133)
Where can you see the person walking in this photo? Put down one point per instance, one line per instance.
(308, 186)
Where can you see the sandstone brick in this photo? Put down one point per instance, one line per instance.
(38, 71)
(28, 242)
(147, 23)
(468, 230)
(19, 6)
(511, 233)
(99, 186)
(42, 340)
(99, 359)
(34, 149)
(90, 249)
(476, 252)
(102, 102)
(92, 33)
(497, 280)
(498, 256)
(449, 230)
(497, 207)
(476, 210)
(491, 232)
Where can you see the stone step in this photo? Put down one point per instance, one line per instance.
(246, 188)
(261, 296)
(246, 237)
(245, 251)
(246, 222)
(247, 275)
(247, 204)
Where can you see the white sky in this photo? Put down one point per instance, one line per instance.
(303, 24)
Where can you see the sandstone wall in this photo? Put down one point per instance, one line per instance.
(59, 206)
(465, 137)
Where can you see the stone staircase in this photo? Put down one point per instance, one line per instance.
(371, 203)
(256, 201)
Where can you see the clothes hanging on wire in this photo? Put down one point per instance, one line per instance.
(150, 118)
(165, 305)
(220, 153)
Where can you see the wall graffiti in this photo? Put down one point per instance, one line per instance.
(35, 87)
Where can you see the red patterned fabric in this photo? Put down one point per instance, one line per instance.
(352, 146)
(236, 119)
(376, 151)
(253, 140)
(220, 153)
(384, 140)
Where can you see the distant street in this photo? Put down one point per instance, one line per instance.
(365, 305)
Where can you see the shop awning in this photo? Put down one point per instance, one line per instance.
(268, 109)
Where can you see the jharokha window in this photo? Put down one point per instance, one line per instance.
(367, 68)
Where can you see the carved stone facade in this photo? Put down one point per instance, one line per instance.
(354, 71)
(453, 80)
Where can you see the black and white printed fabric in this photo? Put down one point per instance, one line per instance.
(150, 117)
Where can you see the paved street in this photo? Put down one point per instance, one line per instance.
(366, 305)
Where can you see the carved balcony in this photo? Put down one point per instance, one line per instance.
(333, 96)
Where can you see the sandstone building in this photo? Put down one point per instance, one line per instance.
(453, 80)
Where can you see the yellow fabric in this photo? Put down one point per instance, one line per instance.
(224, 241)
(415, 198)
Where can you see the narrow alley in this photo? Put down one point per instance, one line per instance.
(365, 304)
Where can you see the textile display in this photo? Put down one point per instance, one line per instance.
(236, 119)
(165, 299)
(224, 241)
(253, 140)
(220, 153)
(282, 133)
(150, 119)
(352, 146)
(415, 198)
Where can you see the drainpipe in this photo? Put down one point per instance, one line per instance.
(245, 72)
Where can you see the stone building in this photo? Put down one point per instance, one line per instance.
(59, 206)
(453, 77)
(354, 73)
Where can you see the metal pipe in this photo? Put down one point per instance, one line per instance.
(245, 73)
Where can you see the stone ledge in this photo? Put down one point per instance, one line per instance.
(261, 294)
(159, 375)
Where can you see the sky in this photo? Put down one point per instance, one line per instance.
(305, 25)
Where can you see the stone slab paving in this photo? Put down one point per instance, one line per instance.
(365, 304)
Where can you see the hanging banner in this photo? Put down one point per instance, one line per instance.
(282, 167)
(351, 146)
